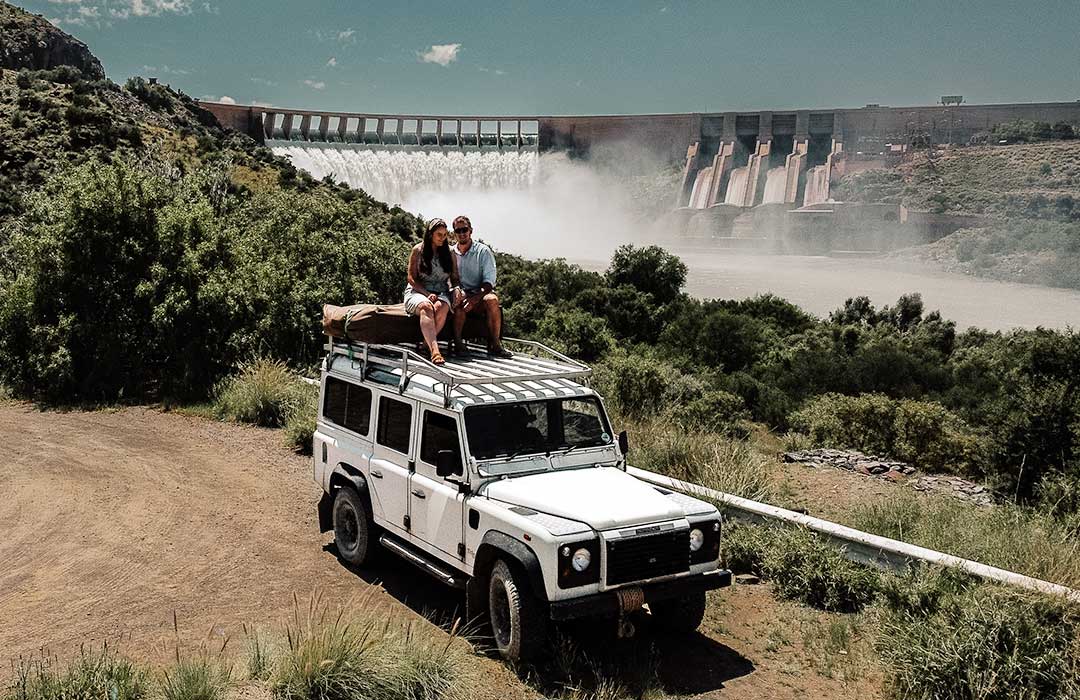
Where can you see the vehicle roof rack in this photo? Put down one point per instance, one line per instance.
(538, 363)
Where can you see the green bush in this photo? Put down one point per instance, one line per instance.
(650, 269)
(90, 676)
(264, 392)
(199, 678)
(713, 411)
(956, 642)
(923, 433)
(301, 419)
(576, 333)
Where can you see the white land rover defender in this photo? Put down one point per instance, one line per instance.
(503, 477)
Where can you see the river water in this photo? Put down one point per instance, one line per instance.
(820, 285)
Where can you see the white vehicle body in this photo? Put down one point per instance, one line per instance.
(387, 418)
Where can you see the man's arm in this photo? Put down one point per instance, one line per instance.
(487, 269)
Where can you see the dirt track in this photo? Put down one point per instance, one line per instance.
(112, 520)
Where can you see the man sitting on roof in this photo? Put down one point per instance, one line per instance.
(476, 269)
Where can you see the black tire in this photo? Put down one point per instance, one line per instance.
(680, 615)
(518, 619)
(353, 527)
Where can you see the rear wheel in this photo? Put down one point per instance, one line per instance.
(353, 527)
(518, 619)
(682, 615)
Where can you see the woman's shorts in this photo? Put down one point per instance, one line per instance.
(413, 300)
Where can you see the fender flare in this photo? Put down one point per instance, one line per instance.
(343, 476)
(499, 545)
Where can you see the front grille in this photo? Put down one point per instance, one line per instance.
(639, 558)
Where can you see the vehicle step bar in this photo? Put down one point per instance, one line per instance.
(423, 561)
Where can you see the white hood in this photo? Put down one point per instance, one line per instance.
(602, 497)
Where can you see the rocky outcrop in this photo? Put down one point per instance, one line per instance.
(30, 41)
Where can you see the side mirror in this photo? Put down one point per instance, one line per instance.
(624, 443)
(446, 464)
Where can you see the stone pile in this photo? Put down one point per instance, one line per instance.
(852, 460)
(955, 486)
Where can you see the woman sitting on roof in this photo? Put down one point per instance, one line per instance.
(432, 268)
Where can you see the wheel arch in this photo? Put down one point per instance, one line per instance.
(344, 476)
(497, 545)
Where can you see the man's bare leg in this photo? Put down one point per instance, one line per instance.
(494, 322)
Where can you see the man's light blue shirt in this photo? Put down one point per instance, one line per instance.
(476, 266)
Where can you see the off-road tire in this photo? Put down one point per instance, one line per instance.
(518, 619)
(680, 615)
(353, 527)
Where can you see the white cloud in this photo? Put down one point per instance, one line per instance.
(256, 103)
(227, 100)
(332, 63)
(443, 54)
(166, 70)
(264, 81)
(346, 35)
(663, 9)
(314, 84)
(149, 8)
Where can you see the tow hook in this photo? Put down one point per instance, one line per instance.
(630, 600)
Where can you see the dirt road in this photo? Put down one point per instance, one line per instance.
(112, 520)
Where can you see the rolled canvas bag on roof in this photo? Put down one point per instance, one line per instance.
(372, 323)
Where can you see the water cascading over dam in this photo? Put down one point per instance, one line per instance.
(401, 177)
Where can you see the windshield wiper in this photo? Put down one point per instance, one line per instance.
(568, 449)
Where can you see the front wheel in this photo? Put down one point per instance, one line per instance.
(680, 615)
(518, 620)
(352, 527)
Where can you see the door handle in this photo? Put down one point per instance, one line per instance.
(419, 494)
(376, 473)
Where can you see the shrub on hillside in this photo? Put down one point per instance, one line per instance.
(923, 433)
(650, 269)
(712, 411)
(263, 392)
(301, 419)
(945, 639)
(117, 281)
(576, 333)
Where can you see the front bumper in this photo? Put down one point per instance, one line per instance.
(606, 604)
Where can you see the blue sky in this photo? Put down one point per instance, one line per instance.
(594, 57)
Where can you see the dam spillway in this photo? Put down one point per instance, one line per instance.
(393, 176)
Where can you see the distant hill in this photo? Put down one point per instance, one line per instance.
(29, 41)
(1030, 192)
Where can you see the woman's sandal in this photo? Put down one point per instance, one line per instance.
(437, 358)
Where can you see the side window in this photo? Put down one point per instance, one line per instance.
(440, 432)
(335, 401)
(348, 405)
(395, 424)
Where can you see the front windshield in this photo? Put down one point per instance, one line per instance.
(530, 427)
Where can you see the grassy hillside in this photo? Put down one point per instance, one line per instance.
(1029, 192)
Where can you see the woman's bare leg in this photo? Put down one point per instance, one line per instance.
(427, 326)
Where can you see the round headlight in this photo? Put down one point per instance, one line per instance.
(697, 538)
(582, 559)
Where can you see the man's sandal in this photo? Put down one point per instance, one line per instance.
(500, 352)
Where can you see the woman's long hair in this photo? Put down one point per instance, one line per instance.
(428, 251)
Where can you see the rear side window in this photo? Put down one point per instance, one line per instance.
(395, 424)
(440, 432)
(348, 405)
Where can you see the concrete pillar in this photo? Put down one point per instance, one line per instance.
(759, 169)
(286, 126)
(379, 126)
(343, 127)
(765, 127)
(458, 144)
(479, 126)
(498, 133)
(519, 134)
(419, 131)
(324, 126)
(802, 125)
(690, 168)
(438, 133)
(268, 124)
(795, 165)
(305, 127)
(728, 130)
(400, 130)
(721, 167)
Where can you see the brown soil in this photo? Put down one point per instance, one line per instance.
(114, 521)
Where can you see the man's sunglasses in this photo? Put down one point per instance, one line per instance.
(459, 231)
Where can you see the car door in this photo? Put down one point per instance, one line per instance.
(392, 457)
(436, 504)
